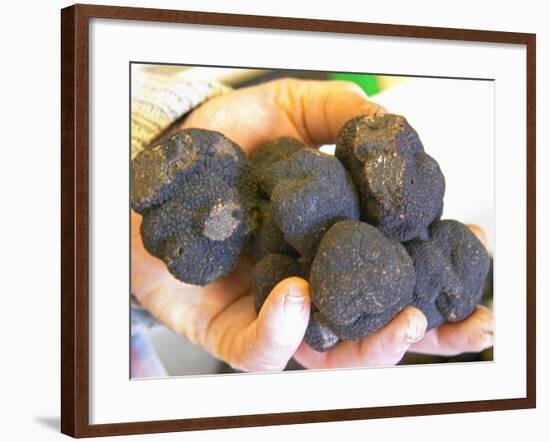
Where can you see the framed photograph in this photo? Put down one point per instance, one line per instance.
(271, 220)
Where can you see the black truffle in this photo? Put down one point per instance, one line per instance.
(268, 238)
(319, 333)
(196, 196)
(271, 270)
(360, 279)
(451, 268)
(400, 186)
(311, 191)
(266, 155)
(366, 324)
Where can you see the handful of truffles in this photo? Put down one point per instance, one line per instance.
(363, 226)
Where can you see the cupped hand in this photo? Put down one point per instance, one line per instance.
(220, 317)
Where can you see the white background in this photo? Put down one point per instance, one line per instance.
(30, 189)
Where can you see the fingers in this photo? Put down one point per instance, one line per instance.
(246, 116)
(385, 347)
(479, 233)
(474, 334)
(313, 111)
(319, 109)
(147, 271)
(269, 341)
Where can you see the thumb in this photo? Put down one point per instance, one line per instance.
(280, 326)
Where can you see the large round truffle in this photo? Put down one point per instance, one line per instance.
(195, 193)
(451, 268)
(400, 186)
(309, 192)
(266, 155)
(360, 279)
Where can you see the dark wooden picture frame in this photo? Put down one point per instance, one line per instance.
(75, 219)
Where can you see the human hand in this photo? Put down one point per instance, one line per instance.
(221, 317)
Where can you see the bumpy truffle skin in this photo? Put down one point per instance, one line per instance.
(268, 238)
(195, 194)
(429, 264)
(312, 192)
(319, 333)
(271, 270)
(400, 186)
(156, 169)
(434, 318)
(360, 279)
(266, 155)
(451, 268)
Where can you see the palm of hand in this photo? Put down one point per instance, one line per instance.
(221, 317)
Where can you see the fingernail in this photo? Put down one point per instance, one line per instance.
(487, 340)
(294, 299)
(415, 331)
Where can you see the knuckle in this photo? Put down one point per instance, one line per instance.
(351, 87)
(285, 84)
(480, 341)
